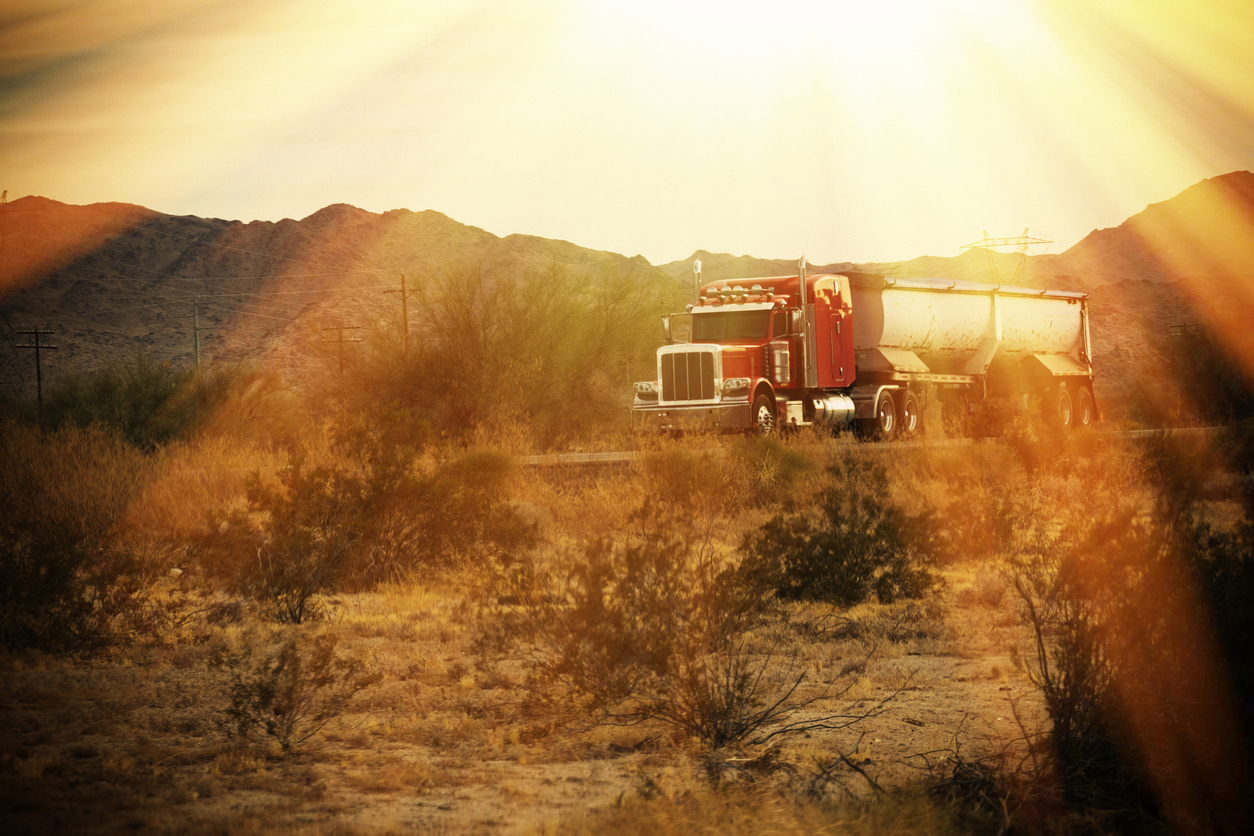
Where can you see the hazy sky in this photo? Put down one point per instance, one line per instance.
(868, 130)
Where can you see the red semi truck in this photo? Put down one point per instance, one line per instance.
(867, 351)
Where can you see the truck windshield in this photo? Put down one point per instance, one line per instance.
(730, 325)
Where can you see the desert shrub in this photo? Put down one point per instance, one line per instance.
(1040, 445)
(147, 402)
(1075, 673)
(1137, 617)
(292, 542)
(653, 627)
(770, 466)
(376, 513)
(664, 810)
(227, 399)
(1220, 388)
(856, 544)
(548, 348)
(288, 686)
(688, 479)
(72, 583)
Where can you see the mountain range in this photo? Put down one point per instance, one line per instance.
(109, 279)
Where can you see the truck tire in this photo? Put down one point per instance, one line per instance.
(1084, 411)
(1058, 408)
(764, 415)
(884, 424)
(910, 421)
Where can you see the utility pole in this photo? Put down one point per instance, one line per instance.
(196, 329)
(339, 340)
(39, 377)
(404, 314)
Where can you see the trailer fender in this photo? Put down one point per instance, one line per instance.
(866, 397)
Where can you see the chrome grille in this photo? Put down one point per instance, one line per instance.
(688, 376)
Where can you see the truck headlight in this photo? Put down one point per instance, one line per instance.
(646, 389)
(733, 384)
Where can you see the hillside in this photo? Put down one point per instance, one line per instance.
(110, 279)
(1187, 259)
(1206, 230)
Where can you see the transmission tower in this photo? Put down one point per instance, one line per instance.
(1021, 244)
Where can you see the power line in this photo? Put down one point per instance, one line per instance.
(404, 314)
(339, 340)
(196, 329)
(1020, 244)
(39, 377)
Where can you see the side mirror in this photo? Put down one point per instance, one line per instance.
(677, 328)
(796, 325)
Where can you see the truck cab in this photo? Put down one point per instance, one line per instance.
(744, 357)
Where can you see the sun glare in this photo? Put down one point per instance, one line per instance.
(889, 129)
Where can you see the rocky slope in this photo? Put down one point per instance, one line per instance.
(110, 279)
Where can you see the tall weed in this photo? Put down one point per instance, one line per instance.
(72, 581)
(1137, 617)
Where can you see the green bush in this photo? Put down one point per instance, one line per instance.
(859, 544)
(146, 402)
(131, 399)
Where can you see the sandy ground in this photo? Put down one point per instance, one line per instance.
(442, 743)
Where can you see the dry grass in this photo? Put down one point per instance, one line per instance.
(451, 737)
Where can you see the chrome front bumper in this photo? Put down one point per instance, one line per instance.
(723, 416)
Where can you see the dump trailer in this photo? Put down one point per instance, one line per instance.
(868, 352)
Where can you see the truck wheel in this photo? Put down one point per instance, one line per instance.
(911, 418)
(1058, 409)
(764, 415)
(884, 425)
(1083, 415)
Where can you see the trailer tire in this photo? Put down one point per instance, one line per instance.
(1084, 411)
(764, 415)
(1058, 407)
(910, 421)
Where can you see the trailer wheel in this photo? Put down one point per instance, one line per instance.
(1083, 415)
(1058, 409)
(764, 415)
(911, 418)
